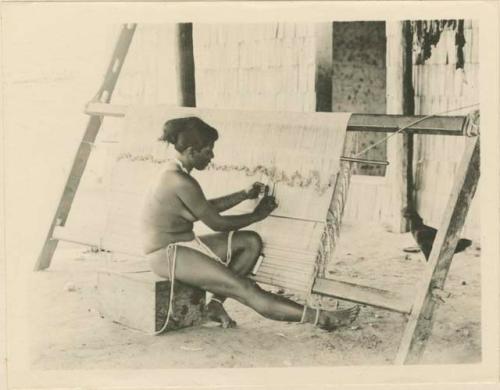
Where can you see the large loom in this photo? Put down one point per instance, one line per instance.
(297, 154)
(313, 197)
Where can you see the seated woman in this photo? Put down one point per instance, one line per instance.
(220, 262)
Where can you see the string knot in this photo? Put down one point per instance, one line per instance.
(472, 122)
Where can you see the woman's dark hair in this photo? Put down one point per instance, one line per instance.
(186, 132)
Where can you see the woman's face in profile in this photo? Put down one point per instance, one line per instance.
(203, 157)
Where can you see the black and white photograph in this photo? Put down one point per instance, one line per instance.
(250, 194)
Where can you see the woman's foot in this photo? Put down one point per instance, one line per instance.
(330, 320)
(217, 313)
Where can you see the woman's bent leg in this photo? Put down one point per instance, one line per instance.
(245, 248)
(196, 269)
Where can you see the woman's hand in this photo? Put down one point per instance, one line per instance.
(265, 207)
(255, 190)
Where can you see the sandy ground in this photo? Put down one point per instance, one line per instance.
(68, 333)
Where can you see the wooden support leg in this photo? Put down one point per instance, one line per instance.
(83, 153)
(420, 322)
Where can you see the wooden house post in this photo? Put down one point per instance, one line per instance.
(399, 101)
(324, 66)
(185, 65)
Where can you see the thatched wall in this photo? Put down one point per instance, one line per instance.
(445, 76)
(255, 66)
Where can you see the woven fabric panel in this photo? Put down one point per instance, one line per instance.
(296, 153)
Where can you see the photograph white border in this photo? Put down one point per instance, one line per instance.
(21, 376)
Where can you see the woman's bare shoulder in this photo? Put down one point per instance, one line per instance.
(176, 179)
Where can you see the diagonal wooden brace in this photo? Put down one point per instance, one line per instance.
(420, 322)
(94, 124)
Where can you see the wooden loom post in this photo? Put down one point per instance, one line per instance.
(420, 322)
(79, 163)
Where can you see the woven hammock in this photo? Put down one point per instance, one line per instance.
(296, 153)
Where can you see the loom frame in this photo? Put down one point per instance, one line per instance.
(419, 326)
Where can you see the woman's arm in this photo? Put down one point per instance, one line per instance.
(228, 201)
(191, 194)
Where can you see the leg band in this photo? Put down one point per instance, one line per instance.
(303, 314)
(317, 317)
(229, 246)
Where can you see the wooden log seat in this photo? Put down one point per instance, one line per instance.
(140, 299)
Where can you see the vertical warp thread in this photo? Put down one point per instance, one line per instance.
(334, 218)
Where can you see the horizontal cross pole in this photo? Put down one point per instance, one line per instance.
(385, 123)
(363, 161)
(366, 295)
(379, 123)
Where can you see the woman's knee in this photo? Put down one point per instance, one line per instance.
(251, 241)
